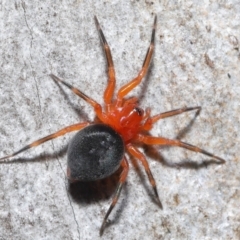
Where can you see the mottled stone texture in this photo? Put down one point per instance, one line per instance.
(196, 62)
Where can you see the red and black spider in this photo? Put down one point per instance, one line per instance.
(99, 148)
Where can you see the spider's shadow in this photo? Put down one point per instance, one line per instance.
(81, 192)
(84, 192)
(153, 153)
(100, 190)
(186, 129)
(87, 192)
(40, 158)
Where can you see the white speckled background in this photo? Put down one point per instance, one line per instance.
(196, 62)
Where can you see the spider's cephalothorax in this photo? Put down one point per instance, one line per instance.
(126, 120)
(98, 149)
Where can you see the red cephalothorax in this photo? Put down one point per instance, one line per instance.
(98, 149)
(126, 119)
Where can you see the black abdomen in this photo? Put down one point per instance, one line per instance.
(95, 153)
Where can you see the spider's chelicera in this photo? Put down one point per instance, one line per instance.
(98, 149)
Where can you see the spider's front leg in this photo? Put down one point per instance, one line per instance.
(108, 94)
(123, 91)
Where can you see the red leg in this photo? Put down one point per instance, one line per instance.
(111, 72)
(131, 85)
(122, 179)
(137, 154)
(62, 132)
(97, 107)
(75, 90)
(151, 120)
(149, 140)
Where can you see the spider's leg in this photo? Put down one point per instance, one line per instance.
(137, 154)
(150, 140)
(74, 127)
(122, 179)
(151, 120)
(97, 107)
(111, 72)
(75, 90)
(123, 91)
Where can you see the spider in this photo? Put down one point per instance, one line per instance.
(98, 149)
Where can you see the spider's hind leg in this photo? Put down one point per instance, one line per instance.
(122, 179)
(74, 127)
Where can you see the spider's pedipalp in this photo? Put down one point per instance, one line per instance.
(74, 127)
(121, 181)
(150, 140)
(137, 154)
(111, 72)
(123, 91)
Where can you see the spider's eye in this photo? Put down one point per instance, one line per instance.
(139, 111)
